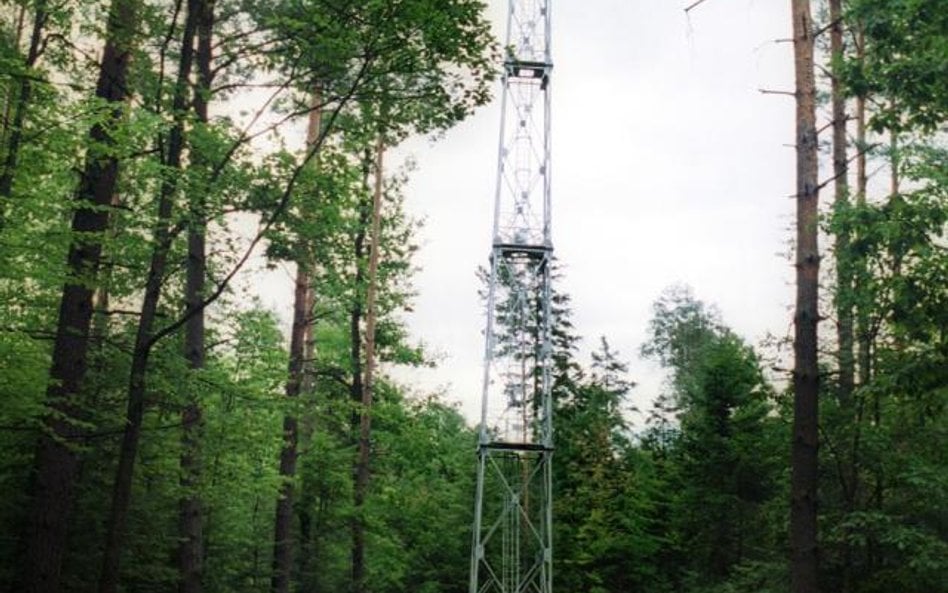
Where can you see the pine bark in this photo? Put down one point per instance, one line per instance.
(363, 467)
(191, 534)
(844, 276)
(845, 282)
(122, 488)
(301, 350)
(56, 464)
(804, 463)
(863, 337)
(861, 329)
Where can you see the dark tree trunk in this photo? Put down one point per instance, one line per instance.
(362, 470)
(282, 532)
(308, 425)
(191, 552)
(356, 390)
(845, 283)
(804, 463)
(57, 464)
(300, 352)
(844, 276)
(306, 547)
(861, 330)
(19, 107)
(863, 336)
(12, 91)
(122, 488)
(897, 255)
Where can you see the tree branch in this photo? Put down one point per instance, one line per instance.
(693, 5)
(770, 92)
(268, 222)
(846, 169)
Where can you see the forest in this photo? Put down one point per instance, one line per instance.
(161, 430)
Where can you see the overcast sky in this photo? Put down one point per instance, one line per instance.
(669, 167)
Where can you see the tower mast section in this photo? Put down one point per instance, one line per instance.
(512, 534)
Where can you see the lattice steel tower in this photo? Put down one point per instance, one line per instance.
(512, 547)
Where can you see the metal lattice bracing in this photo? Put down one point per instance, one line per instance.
(512, 536)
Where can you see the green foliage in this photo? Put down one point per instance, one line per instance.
(680, 327)
(421, 506)
(881, 531)
(904, 63)
(719, 455)
(694, 501)
(603, 487)
(426, 65)
(415, 66)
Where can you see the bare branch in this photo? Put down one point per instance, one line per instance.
(830, 124)
(693, 5)
(825, 28)
(770, 92)
(858, 154)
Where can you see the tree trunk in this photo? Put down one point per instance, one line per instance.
(368, 384)
(122, 488)
(10, 93)
(282, 537)
(356, 390)
(301, 350)
(862, 181)
(844, 277)
(804, 462)
(56, 464)
(861, 311)
(307, 547)
(845, 282)
(19, 111)
(191, 552)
